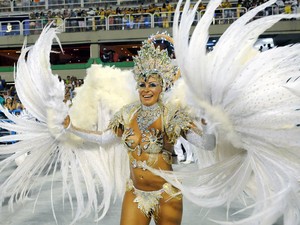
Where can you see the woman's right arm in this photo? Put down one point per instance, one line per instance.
(103, 138)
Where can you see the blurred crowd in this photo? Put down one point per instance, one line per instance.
(285, 5)
(71, 82)
(116, 17)
(10, 100)
(136, 17)
(101, 14)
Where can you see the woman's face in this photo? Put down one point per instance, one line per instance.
(149, 90)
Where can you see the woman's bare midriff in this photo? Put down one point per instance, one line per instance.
(146, 180)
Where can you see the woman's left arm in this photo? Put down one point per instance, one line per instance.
(199, 137)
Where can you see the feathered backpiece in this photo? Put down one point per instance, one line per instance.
(244, 99)
(90, 176)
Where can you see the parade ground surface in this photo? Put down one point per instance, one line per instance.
(26, 214)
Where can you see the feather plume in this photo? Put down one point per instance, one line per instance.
(244, 97)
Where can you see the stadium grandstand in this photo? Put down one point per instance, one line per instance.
(111, 32)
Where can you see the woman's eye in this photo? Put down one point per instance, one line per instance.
(142, 85)
(153, 85)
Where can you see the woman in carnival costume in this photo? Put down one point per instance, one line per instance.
(252, 111)
(148, 129)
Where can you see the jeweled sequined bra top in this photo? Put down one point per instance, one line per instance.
(174, 121)
(152, 141)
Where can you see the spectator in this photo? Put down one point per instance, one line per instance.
(115, 56)
(2, 84)
(59, 19)
(238, 10)
(68, 80)
(118, 19)
(78, 83)
(17, 103)
(2, 100)
(170, 10)
(32, 23)
(201, 6)
(287, 7)
(280, 5)
(107, 55)
(102, 19)
(294, 5)
(226, 5)
(9, 104)
(81, 21)
(164, 16)
(67, 94)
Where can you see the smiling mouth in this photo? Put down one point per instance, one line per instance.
(147, 96)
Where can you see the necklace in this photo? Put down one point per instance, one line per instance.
(147, 115)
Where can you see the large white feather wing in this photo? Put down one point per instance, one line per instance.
(293, 84)
(254, 117)
(90, 176)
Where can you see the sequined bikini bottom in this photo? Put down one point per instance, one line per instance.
(148, 201)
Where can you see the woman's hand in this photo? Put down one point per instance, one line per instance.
(67, 122)
(203, 121)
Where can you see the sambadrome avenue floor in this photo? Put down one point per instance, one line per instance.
(26, 214)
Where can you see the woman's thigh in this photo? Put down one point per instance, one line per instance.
(170, 211)
(131, 214)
